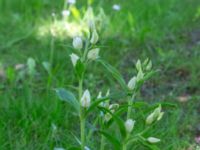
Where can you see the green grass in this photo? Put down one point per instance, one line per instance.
(164, 31)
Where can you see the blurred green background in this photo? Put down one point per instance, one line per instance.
(166, 31)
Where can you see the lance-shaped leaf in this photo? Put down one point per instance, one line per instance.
(118, 120)
(68, 97)
(114, 73)
(115, 142)
(79, 69)
(95, 104)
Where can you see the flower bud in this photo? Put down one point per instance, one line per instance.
(108, 92)
(150, 119)
(140, 75)
(132, 83)
(160, 116)
(149, 66)
(85, 99)
(114, 106)
(157, 111)
(77, 43)
(107, 117)
(93, 54)
(91, 24)
(138, 65)
(155, 115)
(153, 140)
(94, 39)
(74, 59)
(99, 95)
(129, 125)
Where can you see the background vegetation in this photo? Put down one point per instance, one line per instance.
(166, 31)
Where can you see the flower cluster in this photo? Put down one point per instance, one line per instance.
(86, 51)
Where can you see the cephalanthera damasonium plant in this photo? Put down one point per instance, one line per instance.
(107, 112)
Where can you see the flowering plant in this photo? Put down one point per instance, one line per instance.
(107, 113)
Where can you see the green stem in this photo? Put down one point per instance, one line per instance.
(86, 51)
(102, 146)
(130, 103)
(82, 118)
(124, 147)
(102, 142)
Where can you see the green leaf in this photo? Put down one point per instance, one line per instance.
(114, 73)
(150, 74)
(79, 69)
(149, 146)
(69, 97)
(118, 120)
(95, 104)
(115, 142)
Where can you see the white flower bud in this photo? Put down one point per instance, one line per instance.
(85, 99)
(129, 125)
(99, 95)
(95, 37)
(149, 66)
(107, 117)
(155, 115)
(157, 111)
(74, 59)
(138, 65)
(114, 106)
(150, 119)
(160, 116)
(132, 83)
(77, 43)
(140, 75)
(93, 54)
(65, 13)
(153, 140)
(108, 92)
(91, 24)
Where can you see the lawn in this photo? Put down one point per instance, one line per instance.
(35, 47)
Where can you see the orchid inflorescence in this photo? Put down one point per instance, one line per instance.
(86, 50)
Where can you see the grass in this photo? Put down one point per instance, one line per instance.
(164, 31)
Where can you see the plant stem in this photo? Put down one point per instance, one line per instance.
(82, 118)
(102, 138)
(102, 142)
(124, 147)
(130, 103)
